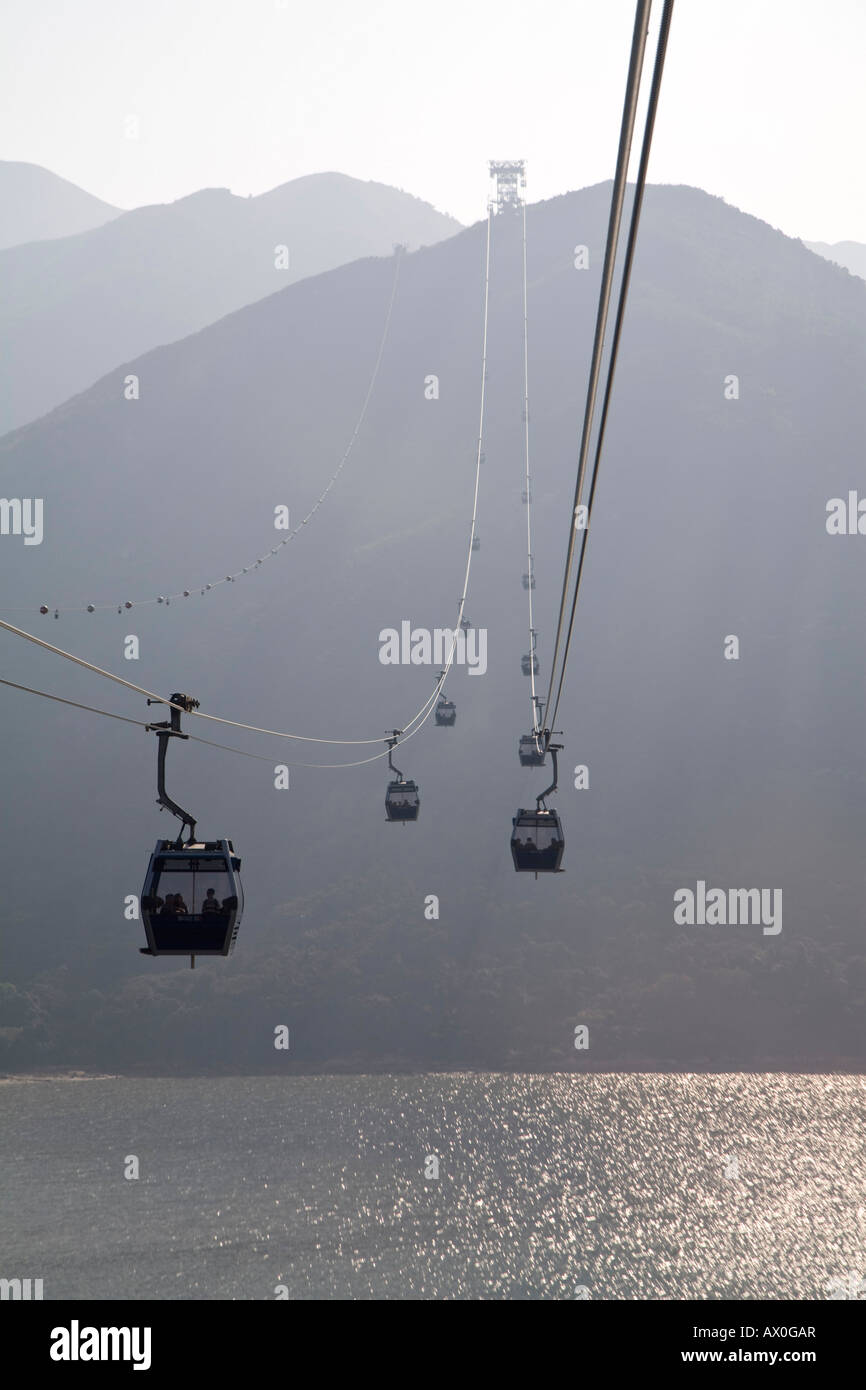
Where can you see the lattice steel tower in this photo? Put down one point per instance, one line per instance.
(510, 180)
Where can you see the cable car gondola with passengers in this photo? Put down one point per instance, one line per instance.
(402, 799)
(537, 837)
(192, 899)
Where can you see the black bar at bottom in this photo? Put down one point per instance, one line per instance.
(651, 1338)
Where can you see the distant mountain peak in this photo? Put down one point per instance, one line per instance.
(38, 205)
(850, 254)
(161, 272)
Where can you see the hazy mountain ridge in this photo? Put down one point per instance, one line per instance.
(72, 309)
(850, 254)
(710, 519)
(37, 205)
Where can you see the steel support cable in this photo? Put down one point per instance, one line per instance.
(528, 488)
(427, 709)
(58, 699)
(124, 719)
(418, 719)
(638, 46)
(230, 578)
(634, 222)
(412, 726)
(480, 445)
(193, 738)
(151, 695)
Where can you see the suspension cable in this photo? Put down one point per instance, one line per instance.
(418, 721)
(535, 725)
(193, 738)
(13, 685)
(124, 719)
(161, 699)
(206, 587)
(412, 726)
(634, 222)
(639, 36)
(422, 715)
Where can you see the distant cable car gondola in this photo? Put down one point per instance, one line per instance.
(529, 661)
(192, 899)
(402, 799)
(530, 750)
(529, 580)
(446, 712)
(527, 494)
(537, 838)
(476, 542)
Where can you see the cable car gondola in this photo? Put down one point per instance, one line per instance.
(192, 899)
(529, 580)
(537, 837)
(402, 799)
(537, 842)
(530, 750)
(476, 542)
(529, 661)
(446, 712)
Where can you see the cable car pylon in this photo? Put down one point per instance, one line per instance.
(192, 900)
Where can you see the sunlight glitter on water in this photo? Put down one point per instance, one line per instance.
(627, 1186)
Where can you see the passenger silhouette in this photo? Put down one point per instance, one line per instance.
(211, 902)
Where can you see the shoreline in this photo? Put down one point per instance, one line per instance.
(846, 1067)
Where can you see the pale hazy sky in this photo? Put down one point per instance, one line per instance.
(763, 101)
